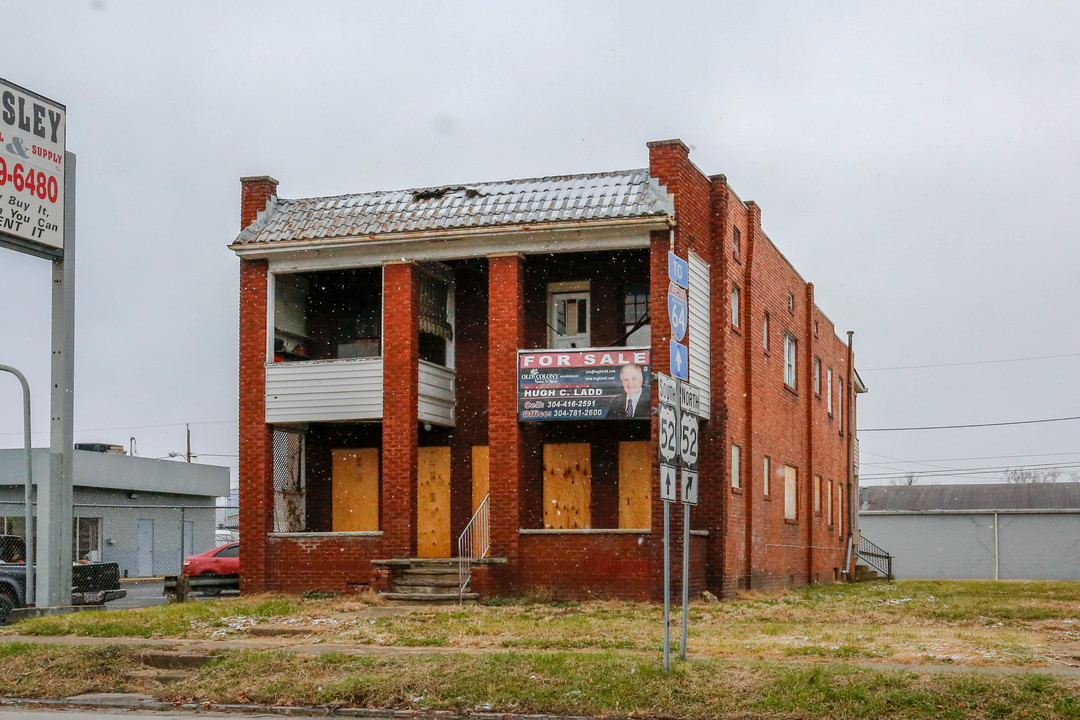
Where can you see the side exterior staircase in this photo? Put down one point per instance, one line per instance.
(876, 559)
(422, 581)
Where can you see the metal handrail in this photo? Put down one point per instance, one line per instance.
(876, 557)
(473, 544)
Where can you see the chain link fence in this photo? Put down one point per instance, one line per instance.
(146, 541)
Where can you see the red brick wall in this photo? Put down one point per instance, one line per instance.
(401, 330)
(327, 564)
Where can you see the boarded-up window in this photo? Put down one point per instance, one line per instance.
(828, 504)
(736, 466)
(433, 502)
(635, 485)
(791, 476)
(817, 493)
(567, 486)
(355, 490)
(840, 509)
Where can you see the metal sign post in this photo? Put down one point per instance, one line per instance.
(669, 453)
(688, 453)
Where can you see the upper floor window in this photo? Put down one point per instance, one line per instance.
(789, 361)
(765, 331)
(327, 315)
(840, 403)
(767, 463)
(636, 321)
(735, 306)
(817, 376)
(736, 237)
(791, 302)
(568, 315)
(436, 319)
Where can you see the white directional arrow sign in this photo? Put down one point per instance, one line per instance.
(668, 485)
(689, 487)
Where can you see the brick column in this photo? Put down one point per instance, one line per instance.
(256, 445)
(401, 336)
(506, 333)
(256, 438)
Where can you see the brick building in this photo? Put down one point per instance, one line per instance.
(379, 387)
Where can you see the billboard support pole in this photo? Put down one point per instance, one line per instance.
(55, 491)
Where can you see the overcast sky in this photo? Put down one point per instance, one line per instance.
(916, 161)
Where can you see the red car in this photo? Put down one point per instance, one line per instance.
(223, 560)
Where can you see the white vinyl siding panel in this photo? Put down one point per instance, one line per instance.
(699, 332)
(324, 390)
(436, 394)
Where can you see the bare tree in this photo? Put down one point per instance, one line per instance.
(1025, 476)
(909, 479)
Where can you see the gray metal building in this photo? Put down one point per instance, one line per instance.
(143, 514)
(999, 531)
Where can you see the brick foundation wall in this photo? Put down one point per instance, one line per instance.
(338, 564)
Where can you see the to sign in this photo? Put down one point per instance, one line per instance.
(678, 270)
(689, 487)
(669, 443)
(688, 440)
(667, 483)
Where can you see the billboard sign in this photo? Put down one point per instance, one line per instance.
(584, 384)
(32, 153)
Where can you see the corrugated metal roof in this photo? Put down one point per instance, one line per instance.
(999, 496)
(623, 194)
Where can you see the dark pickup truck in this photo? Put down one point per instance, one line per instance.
(91, 583)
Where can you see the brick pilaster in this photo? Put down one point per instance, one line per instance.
(401, 336)
(506, 334)
(256, 475)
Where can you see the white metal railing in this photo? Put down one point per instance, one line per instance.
(473, 543)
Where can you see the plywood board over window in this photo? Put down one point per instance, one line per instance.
(355, 476)
(567, 486)
(635, 484)
(433, 502)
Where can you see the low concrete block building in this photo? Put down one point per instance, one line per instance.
(470, 371)
(976, 532)
(140, 513)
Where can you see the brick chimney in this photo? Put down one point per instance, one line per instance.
(255, 192)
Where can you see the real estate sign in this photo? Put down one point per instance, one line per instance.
(584, 384)
(32, 153)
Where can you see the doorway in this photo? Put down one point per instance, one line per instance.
(433, 502)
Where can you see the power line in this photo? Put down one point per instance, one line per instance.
(976, 470)
(133, 427)
(973, 425)
(972, 362)
(895, 461)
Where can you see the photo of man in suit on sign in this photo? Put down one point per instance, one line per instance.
(634, 401)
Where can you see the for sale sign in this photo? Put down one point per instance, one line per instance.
(32, 152)
(586, 384)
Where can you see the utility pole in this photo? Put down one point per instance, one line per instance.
(187, 426)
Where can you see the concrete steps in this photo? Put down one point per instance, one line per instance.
(427, 582)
